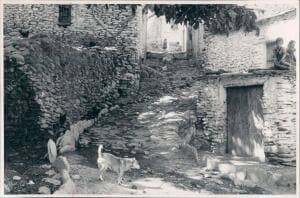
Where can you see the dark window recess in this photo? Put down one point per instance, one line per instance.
(64, 18)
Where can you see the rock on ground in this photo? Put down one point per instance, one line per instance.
(44, 190)
(52, 181)
(16, 178)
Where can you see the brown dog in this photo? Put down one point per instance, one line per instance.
(119, 165)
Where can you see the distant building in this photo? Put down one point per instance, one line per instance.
(182, 40)
(158, 30)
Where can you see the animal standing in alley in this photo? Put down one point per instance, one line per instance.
(119, 165)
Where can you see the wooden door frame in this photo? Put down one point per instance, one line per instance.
(227, 151)
(232, 80)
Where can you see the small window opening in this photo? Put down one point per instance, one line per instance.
(64, 18)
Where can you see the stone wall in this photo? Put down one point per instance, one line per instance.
(49, 86)
(101, 25)
(70, 72)
(279, 110)
(242, 51)
(106, 25)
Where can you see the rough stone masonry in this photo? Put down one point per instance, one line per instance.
(56, 76)
(238, 54)
(279, 111)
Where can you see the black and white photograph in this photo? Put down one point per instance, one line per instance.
(149, 98)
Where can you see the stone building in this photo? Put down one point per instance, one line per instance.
(74, 23)
(245, 108)
(65, 63)
(159, 30)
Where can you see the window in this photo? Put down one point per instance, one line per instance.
(64, 18)
(270, 45)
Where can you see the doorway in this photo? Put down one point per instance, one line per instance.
(245, 122)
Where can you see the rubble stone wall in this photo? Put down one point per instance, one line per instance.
(68, 70)
(279, 110)
(52, 84)
(240, 51)
(109, 25)
(100, 25)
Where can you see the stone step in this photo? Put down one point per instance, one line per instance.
(245, 170)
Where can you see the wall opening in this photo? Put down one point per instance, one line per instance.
(23, 137)
(64, 17)
(245, 122)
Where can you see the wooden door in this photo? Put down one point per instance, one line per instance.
(245, 121)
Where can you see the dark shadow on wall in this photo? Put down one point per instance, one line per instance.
(23, 136)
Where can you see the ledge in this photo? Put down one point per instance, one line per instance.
(270, 71)
(251, 72)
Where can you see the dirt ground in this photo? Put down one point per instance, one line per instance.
(152, 180)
